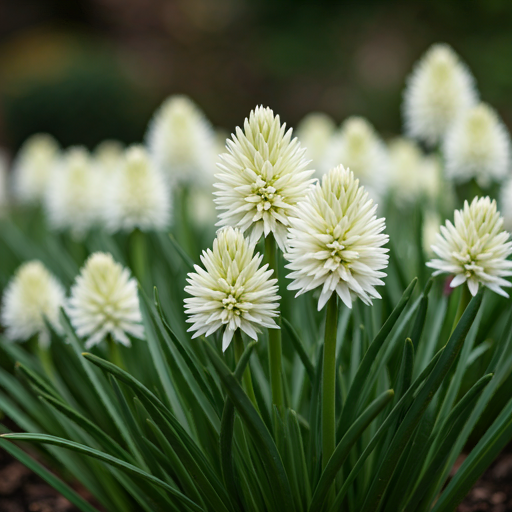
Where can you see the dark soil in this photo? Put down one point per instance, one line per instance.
(23, 491)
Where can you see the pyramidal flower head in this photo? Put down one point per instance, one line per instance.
(138, 194)
(262, 178)
(477, 145)
(104, 302)
(505, 202)
(411, 173)
(232, 291)
(181, 141)
(315, 132)
(33, 166)
(31, 295)
(438, 90)
(336, 241)
(108, 155)
(73, 198)
(475, 249)
(357, 146)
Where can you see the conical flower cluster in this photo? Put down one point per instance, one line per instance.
(104, 302)
(139, 196)
(475, 248)
(439, 89)
(181, 141)
(262, 178)
(477, 146)
(74, 193)
(336, 242)
(232, 291)
(31, 295)
(358, 147)
(33, 167)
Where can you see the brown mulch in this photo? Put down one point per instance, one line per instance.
(493, 491)
(23, 491)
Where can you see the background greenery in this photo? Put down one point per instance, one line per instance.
(91, 69)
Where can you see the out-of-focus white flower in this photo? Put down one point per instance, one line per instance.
(31, 295)
(104, 302)
(438, 90)
(181, 141)
(262, 178)
(336, 241)
(315, 132)
(74, 195)
(505, 202)
(477, 145)
(358, 147)
(33, 166)
(411, 173)
(201, 207)
(234, 292)
(108, 156)
(430, 229)
(475, 249)
(138, 194)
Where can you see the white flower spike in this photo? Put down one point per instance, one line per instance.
(336, 241)
(138, 195)
(315, 132)
(104, 302)
(33, 167)
(262, 178)
(477, 145)
(475, 249)
(73, 199)
(232, 291)
(181, 141)
(31, 295)
(358, 147)
(438, 90)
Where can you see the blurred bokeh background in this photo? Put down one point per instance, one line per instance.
(86, 70)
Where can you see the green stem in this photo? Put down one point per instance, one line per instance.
(138, 254)
(329, 382)
(465, 297)
(246, 379)
(45, 358)
(114, 353)
(274, 335)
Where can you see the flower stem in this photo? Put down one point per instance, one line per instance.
(246, 379)
(138, 254)
(114, 353)
(329, 382)
(274, 335)
(465, 297)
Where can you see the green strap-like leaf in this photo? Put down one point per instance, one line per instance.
(343, 449)
(275, 469)
(109, 459)
(299, 347)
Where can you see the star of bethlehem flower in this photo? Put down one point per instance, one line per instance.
(314, 133)
(411, 173)
(438, 90)
(138, 194)
(475, 248)
(357, 146)
(477, 145)
(181, 141)
(104, 302)
(108, 155)
(31, 295)
(232, 291)
(73, 199)
(336, 241)
(33, 166)
(262, 178)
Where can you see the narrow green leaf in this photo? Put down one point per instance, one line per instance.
(299, 347)
(108, 459)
